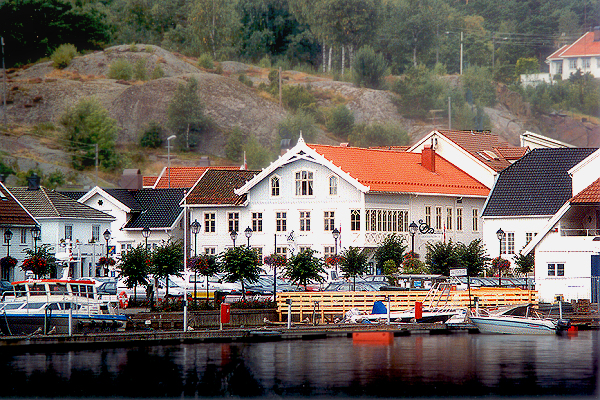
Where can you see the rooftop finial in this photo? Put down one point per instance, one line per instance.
(300, 139)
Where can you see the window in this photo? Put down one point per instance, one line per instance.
(355, 220)
(586, 63)
(24, 236)
(438, 218)
(475, 220)
(302, 249)
(275, 186)
(573, 63)
(528, 237)
(69, 232)
(449, 219)
(304, 183)
(386, 220)
(333, 185)
(556, 269)
(428, 215)
(257, 221)
(281, 221)
(233, 221)
(329, 220)
(210, 222)
(282, 251)
(507, 246)
(459, 219)
(305, 221)
(211, 251)
(259, 254)
(559, 67)
(328, 251)
(95, 233)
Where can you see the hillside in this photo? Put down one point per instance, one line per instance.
(38, 95)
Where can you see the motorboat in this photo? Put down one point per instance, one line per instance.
(517, 319)
(58, 306)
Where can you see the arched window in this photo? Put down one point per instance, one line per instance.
(275, 186)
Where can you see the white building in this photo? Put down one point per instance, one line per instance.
(583, 54)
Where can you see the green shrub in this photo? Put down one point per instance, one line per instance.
(133, 48)
(139, 70)
(340, 121)
(151, 135)
(63, 55)
(420, 91)
(206, 61)
(369, 69)
(298, 98)
(233, 147)
(479, 80)
(149, 49)
(120, 69)
(219, 69)
(265, 62)
(257, 155)
(364, 135)
(157, 73)
(245, 80)
(293, 124)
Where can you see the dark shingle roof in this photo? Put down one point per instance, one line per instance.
(127, 197)
(537, 184)
(11, 212)
(217, 187)
(160, 208)
(44, 203)
(75, 195)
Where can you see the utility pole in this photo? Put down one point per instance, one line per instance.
(461, 53)
(96, 148)
(449, 113)
(4, 91)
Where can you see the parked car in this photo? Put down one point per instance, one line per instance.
(5, 286)
(349, 286)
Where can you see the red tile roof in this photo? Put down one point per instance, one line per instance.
(589, 195)
(489, 148)
(217, 187)
(397, 171)
(11, 212)
(149, 181)
(183, 177)
(585, 46)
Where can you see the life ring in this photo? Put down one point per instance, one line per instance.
(123, 301)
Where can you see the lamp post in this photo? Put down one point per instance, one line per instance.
(195, 230)
(500, 235)
(36, 233)
(412, 229)
(7, 238)
(107, 238)
(169, 156)
(233, 234)
(146, 233)
(248, 232)
(336, 236)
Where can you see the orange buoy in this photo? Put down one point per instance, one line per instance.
(373, 337)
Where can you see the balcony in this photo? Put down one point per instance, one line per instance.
(580, 232)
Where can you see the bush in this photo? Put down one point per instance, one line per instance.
(291, 126)
(480, 81)
(206, 61)
(420, 91)
(257, 155)
(151, 135)
(157, 73)
(233, 147)
(340, 121)
(139, 70)
(364, 135)
(369, 68)
(120, 69)
(245, 80)
(63, 55)
(298, 98)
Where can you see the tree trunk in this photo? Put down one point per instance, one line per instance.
(187, 137)
(243, 291)
(329, 61)
(324, 56)
(343, 58)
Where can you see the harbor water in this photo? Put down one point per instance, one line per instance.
(458, 364)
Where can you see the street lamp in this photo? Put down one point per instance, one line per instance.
(195, 230)
(248, 233)
(169, 156)
(36, 233)
(106, 235)
(336, 236)
(7, 238)
(500, 235)
(412, 229)
(233, 235)
(146, 233)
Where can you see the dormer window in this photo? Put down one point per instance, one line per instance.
(333, 185)
(304, 183)
(275, 186)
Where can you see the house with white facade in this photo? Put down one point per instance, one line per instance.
(526, 196)
(583, 54)
(567, 248)
(16, 224)
(536, 141)
(366, 194)
(73, 230)
(157, 210)
(480, 154)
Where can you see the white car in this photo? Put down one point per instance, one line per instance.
(140, 290)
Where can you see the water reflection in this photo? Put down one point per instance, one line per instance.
(418, 365)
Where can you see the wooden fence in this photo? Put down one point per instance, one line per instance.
(329, 306)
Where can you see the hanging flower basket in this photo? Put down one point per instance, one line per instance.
(8, 262)
(275, 260)
(333, 260)
(106, 261)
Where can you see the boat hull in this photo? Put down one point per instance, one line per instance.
(24, 324)
(515, 326)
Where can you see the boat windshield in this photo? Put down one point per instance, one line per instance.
(58, 288)
(37, 289)
(20, 290)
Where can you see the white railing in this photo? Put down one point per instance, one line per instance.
(580, 232)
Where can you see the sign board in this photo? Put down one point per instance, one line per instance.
(112, 250)
(458, 272)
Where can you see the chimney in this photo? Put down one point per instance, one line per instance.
(428, 158)
(33, 182)
(131, 179)
(597, 34)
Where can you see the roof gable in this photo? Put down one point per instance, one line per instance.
(537, 184)
(12, 213)
(589, 195)
(585, 46)
(183, 177)
(159, 208)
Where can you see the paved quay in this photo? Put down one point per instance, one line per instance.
(227, 335)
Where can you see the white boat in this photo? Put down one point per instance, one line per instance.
(47, 306)
(517, 319)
